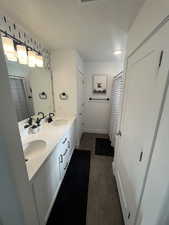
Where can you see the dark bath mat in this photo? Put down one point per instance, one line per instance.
(70, 206)
(103, 147)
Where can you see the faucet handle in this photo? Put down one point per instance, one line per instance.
(30, 120)
(41, 113)
(28, 123)
(51, 114)
(50, 117)
(38, 121)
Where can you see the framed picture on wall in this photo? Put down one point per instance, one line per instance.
(99, 84)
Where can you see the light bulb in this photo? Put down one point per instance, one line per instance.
(39, 60)
(8, 45)
(22, 54)
(9, 49)
(31, 58)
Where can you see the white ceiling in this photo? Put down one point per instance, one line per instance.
(95, 28)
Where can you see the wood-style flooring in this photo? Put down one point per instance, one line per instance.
(103, 201)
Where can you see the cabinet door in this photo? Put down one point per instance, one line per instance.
(146, 80)
(45, 185)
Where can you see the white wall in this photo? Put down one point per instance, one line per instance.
(151, 14)
(64, 80)
(79, 62)
(96, 116)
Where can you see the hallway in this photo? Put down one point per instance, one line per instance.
(103, 200)
(78, 77)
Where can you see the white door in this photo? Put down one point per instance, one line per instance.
(117, 90)
(146, 78)
(81, 105)
(155, 202)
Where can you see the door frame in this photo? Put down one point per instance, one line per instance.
(80, 78)
(114, 163)
(121, 116)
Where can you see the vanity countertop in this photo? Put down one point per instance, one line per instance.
(48, 134)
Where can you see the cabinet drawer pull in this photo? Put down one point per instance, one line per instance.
(65, 152)
(66, 166)
(68, 144)
(61, 159)
(64, 141)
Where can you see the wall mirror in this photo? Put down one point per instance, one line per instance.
(31, 89)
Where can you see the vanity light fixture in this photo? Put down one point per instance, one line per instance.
(39, 61)
(9, 49)
(15, 49)
(31, 58)
(22, 54)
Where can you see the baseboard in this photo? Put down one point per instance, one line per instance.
(121, 195)
(97, 131)
(113, 168)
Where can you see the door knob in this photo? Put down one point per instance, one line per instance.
(118, 133)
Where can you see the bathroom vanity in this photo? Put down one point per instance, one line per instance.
(48, 154)
(47, 141)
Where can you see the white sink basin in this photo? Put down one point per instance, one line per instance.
(34, 148)
(60, 122)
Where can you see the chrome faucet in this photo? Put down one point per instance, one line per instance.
(29, 123)
(43, 115)
(50, 117)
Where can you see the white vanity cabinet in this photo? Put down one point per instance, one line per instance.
(45, 186)
(47, 181)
